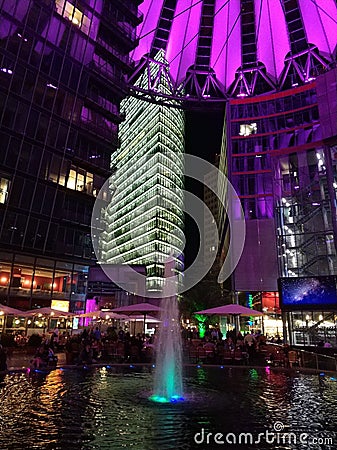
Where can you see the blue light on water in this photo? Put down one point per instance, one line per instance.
(177, 398)
(160, 399)
(132, 366)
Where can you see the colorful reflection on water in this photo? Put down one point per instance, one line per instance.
(108, 408)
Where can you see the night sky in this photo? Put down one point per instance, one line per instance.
(203, 139)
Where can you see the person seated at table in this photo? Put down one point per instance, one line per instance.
(86, 355)
(51, 357)
(229, 344)
(209, 347)
(40, 359)
(249, 340)
(97, 335)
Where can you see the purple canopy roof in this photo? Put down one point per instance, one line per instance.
(231, 38)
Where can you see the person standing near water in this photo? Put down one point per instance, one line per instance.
(3, 359)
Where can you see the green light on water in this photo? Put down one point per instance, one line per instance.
(158, 399)
(253, 374)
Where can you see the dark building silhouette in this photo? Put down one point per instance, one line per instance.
(62, 72)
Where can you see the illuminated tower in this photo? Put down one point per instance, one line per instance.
(145, 216)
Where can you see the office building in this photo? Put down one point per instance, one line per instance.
(145, 219)
(62, 77)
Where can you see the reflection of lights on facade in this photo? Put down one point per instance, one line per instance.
(247, 129)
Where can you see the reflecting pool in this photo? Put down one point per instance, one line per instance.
(108, 408)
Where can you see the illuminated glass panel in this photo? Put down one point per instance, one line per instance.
(68, 10)
(4, 186)
(247, 129)
(71, 184)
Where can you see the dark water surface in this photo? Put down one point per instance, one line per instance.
(108, 409)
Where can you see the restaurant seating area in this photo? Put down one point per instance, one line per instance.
(214, 353)
(113, 346)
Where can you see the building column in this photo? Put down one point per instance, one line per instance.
(331, 191)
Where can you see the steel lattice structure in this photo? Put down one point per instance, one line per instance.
(219, 49)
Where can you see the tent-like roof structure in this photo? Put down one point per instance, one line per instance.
(8, 311)
(230, 310)
(47, 311)
(236, 48)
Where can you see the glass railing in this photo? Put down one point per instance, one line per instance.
(310, 360)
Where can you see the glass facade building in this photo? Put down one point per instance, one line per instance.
(62, 68)
(144, 220)
(280, 151)
(278, 165)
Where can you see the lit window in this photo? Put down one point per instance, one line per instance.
(248, 129)
(4, 186)
(68, 10)
(71, 184)
(89, 182)
(80, 182)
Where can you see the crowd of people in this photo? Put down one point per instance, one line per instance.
(214, 347)
(93, 345)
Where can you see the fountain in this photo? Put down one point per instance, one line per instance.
(168, 386)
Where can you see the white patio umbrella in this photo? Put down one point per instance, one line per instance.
(233, 310)
(138, 309)
(102, 315)
(8, 311)
(48, 311)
